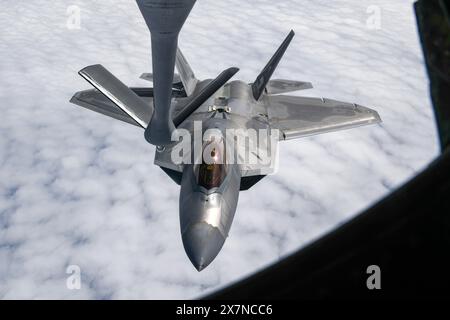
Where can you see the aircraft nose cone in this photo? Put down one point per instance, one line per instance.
(202, 242)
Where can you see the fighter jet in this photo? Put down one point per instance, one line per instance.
(179, 102)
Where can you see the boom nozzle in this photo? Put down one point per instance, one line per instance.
(164, 18)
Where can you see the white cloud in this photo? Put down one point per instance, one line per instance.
(79, 188)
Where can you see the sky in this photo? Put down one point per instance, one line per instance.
(80, 189)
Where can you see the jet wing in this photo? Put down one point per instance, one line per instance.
(297, 117)
(149, 77)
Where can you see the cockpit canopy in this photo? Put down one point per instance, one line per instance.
(213, 169)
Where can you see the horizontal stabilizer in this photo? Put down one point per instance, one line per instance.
(278, 86)
(176, 83)
(122, 96)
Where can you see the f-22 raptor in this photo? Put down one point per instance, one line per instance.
(179, 101)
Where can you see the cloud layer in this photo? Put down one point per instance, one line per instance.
(79, 188)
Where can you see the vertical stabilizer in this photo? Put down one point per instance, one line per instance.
(261, 81)
(186, 74)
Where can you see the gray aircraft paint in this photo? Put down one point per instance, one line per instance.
(164, 18)
(206, 215)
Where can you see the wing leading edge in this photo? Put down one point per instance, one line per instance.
(297, 117)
